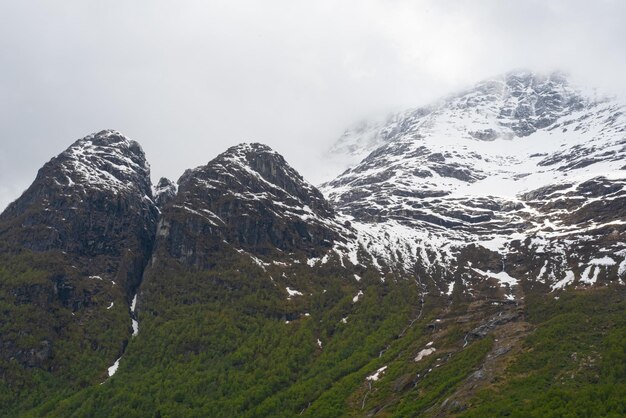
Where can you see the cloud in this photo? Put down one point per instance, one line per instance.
(188, 79)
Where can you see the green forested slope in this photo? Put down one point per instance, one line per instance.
(217, 344)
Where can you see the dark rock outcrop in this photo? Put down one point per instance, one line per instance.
(92, 200)
(164, 191)
(86, 226)
(248, 198)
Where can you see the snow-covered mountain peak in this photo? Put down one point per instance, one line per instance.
(104, 160)
(259, 171)
(251, 200)
(501, 138)
(261, 159)
(512, 105)
(517, 158)
(93, 198)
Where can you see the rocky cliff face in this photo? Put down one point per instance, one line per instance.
(249, 199)
(86, 228)
(164, 191)
(94, 199)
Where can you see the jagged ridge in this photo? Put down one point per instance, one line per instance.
(248, 198)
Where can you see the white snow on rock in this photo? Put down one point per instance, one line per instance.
(134, 322)
(450, 288)
(355, 299)
(425, 352)
(471, 169)
(502, 277)
(567, 280)
(293, 292)
(594, 266)
(106, 160)
(621, 271)
(374, 377)
(590, 275)
(133, 304)
(114, 367)
(604, 261)
(542, 272)
(312, 261)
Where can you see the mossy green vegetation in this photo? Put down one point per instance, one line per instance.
(225, 347)
(573, 365)
(231, 342)
(50, 345)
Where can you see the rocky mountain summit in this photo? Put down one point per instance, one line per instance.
(523, 161)
(164, 191)
(93, 202)
(82, 234)
(249, 199)
(89, 199)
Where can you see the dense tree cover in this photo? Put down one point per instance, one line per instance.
(230, 342)
(48, 347)
(229, 351)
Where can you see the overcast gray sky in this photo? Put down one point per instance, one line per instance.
(187, 79)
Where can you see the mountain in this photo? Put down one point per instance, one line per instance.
(93, 204)
(73, 250)
(469, 262)
(248, 198)
(519, 165)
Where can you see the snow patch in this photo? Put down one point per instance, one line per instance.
(569, 279)
(587, 276)
(450, 288)
(134, 323)
(542, 272)
(293, 292)
(312, 261)
(604, 261)
(114, 367)
(502, 277)
(621, 271)
(374, 377)
(133, 304)
(424, 353)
